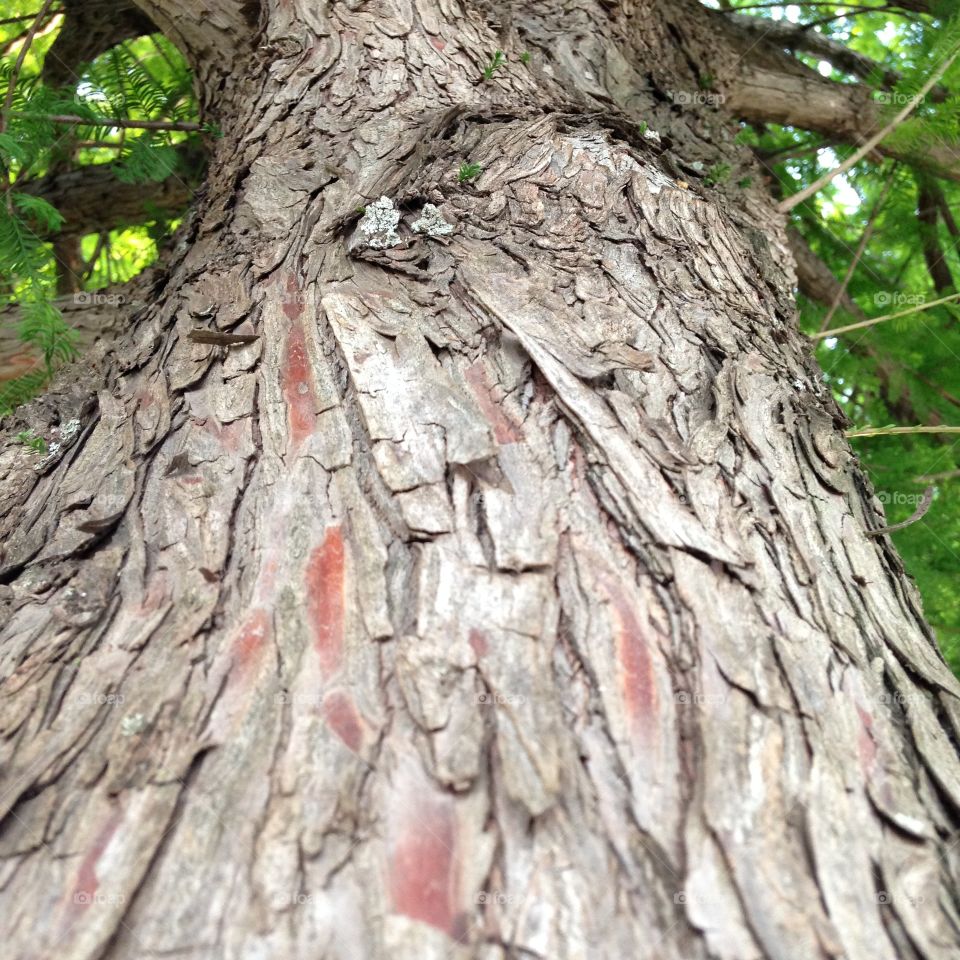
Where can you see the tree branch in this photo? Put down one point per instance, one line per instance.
(798, 36)
(761, 83)
(873, 141)
(118, 122)
(933, 255)
(836, 331)
(91, 198)
(89, 28)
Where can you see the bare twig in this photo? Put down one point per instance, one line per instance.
(787, 205)
(939, 477)
(836, 331)
(26, 16)
(922, 507)
(864, 240)
(897, 431)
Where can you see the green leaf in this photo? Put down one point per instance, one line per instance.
(38, 209)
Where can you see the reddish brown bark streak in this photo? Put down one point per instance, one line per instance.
(325, 599)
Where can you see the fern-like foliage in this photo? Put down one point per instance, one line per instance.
(144, 79)
(936, 120)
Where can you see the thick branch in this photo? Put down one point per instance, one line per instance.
(816, 279)
(794, 36)
(762, 83)
(847, 111)
(89, 28)
(933, 254)
(92, 199)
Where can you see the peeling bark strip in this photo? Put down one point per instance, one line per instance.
(514, 593)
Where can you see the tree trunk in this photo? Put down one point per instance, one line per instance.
(512, 595)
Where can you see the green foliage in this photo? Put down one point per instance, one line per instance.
(525, 57)
(468, 171)
(496, 62)
(144, 79)
(42, 326)
(21, 389)
(716, 174)
(29, 439)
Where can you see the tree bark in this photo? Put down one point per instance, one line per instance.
(511, 595)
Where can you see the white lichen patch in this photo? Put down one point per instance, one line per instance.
(649, 134)
(69, 429)
(431, 223)
(53, 451)
(132, 725)
(378, 227)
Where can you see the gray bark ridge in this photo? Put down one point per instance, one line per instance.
(511, 595)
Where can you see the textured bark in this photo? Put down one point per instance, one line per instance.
(511, 595)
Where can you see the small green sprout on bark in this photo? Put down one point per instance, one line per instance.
(745, 182)
(716, 174)
(468, 171)
(29, 439)
(497, 61)
(705, 81)
(525, 57)
(643, 127)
